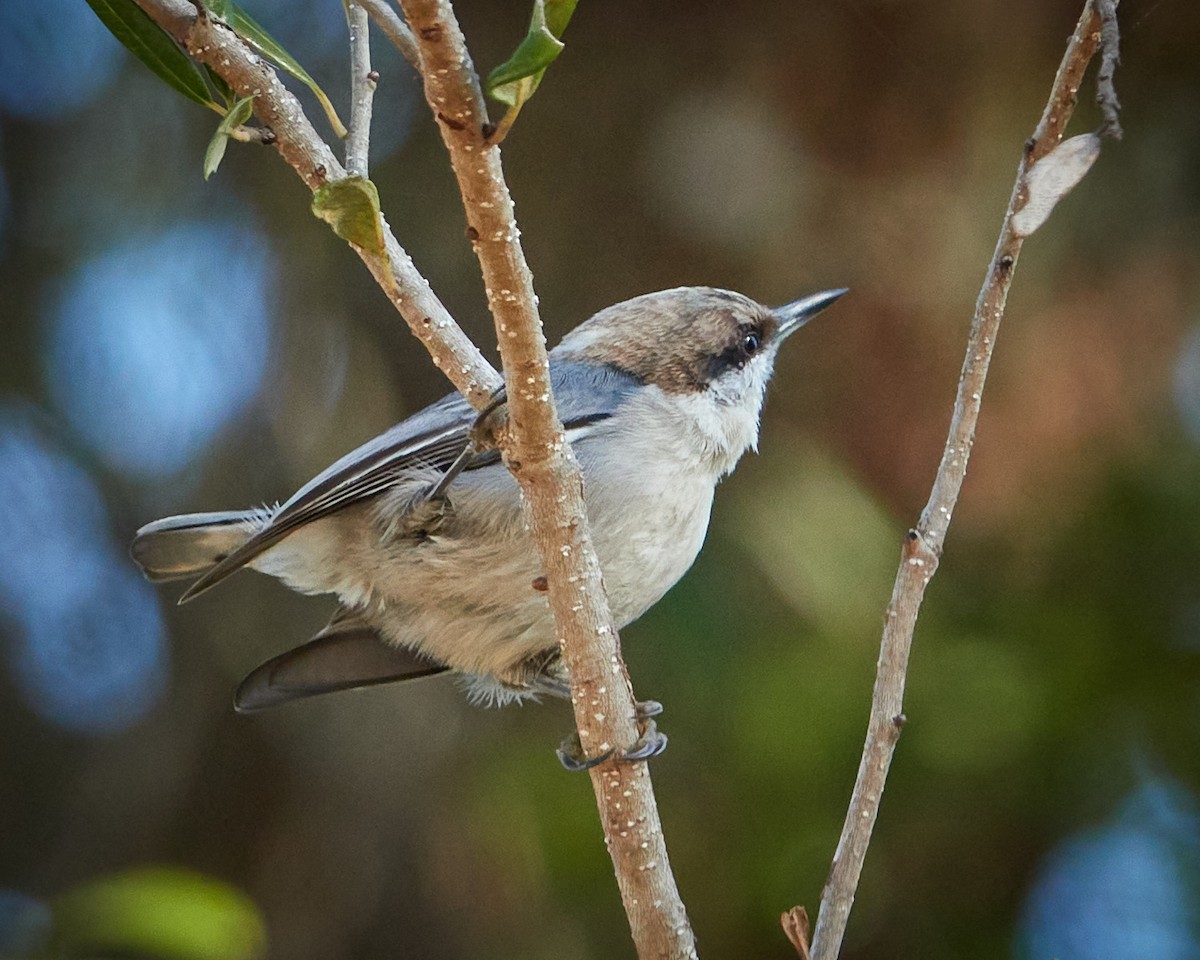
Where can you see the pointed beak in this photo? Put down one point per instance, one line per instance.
(796, 314)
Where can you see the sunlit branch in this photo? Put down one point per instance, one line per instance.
(544, 465)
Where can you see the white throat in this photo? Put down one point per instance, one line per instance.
(708, 431)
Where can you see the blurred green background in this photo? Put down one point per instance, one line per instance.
(173, 346)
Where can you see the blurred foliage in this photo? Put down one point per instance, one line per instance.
(173, 345)
(156, 912)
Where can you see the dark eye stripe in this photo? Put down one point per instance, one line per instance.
(736, 355)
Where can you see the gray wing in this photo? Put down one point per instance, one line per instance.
(434, 437)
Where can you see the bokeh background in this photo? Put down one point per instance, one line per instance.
(172, 345)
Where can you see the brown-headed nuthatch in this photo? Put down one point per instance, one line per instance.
(425, 541)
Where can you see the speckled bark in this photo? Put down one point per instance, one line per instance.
(541, 460)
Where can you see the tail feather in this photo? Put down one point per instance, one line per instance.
(176, 548)
(346, 655)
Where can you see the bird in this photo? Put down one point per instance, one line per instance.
(423, 537)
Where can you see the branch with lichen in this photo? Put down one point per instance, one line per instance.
(1048, 169)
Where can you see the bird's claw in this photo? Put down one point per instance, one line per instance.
(645, 709)
(571, 756)
(651, 743)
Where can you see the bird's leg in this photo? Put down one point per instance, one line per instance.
(425, 518)
(480, 439)
(437, 491)
(645, 709)
(428, 513)
(483, 433)
(651, 743)
(570, 754)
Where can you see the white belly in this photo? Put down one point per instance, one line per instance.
(467, 596)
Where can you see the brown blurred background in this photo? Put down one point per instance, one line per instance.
(173, 345)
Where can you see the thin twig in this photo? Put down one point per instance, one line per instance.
(542, 461)
(301, 146)
(395, 29)
(1110, 56)
(923, 546)
(362, 90)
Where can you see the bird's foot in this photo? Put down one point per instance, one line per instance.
(651, 743)
(571, 756)
(645, 709)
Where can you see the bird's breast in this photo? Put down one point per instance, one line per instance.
(649, 513)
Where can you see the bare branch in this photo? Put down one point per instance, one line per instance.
(301, 146)
(923, 546)
(362, 90)
(1110, 56)
(542, 461)
(395, 29)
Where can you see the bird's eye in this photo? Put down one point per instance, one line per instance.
(750, 344)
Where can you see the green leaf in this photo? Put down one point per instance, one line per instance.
(147, 41)
(224, 90)
(241, 24)
(351, 207)
(558, 15)
(234, 117)
(515, 80)
(158, 912)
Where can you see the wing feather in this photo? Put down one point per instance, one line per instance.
(434, 437)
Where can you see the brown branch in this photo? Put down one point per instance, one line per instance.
(299, 144)
(542, 461)
(923, 545)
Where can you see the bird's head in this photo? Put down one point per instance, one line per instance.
(712, 350)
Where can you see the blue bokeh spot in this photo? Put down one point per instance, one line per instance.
(1123, 889)
(86, 639)
(55, 56)
(1187, 383)
(155, 345)
(25, 925)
